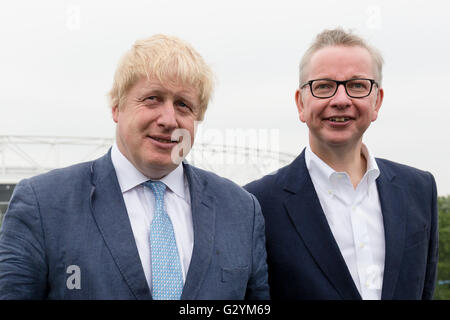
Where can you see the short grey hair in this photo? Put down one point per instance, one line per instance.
(339, 37)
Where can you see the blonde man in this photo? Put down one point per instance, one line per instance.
(341, 224)
(138, 223)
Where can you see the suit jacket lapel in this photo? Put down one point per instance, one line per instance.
(394, 220)
(203, 219)
(305, 211)
(110, 214)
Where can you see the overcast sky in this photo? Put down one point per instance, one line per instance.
(57, 60)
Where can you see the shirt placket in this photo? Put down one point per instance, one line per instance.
(364, 259)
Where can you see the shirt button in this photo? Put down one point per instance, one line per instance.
(362, 245)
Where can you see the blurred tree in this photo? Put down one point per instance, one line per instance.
(443, 283)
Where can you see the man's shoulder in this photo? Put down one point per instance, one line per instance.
(269, 186)
(53, 188)
(213, 179)
(400, 168)
(218, 184)
(69, 173)
(79, 171)
(59, 181)
(404, 172)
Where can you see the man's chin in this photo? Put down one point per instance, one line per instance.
(156, 169)
(342, 142)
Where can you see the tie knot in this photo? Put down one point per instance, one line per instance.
(158, 188)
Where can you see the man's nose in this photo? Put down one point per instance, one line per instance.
(167, 117)
(341, 99)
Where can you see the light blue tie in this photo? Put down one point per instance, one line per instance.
(167, 279)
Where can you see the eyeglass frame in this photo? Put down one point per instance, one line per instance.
(338, 83)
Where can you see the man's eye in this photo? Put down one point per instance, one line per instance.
(358, 85)
(151, 100)
(183, 105)
(323, 86)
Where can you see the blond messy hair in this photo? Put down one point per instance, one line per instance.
(168, 59)
(339, 37)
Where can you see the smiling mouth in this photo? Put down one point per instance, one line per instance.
(338, 119)
(162, 140)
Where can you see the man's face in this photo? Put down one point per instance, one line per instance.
(338, 63)
(150, 122)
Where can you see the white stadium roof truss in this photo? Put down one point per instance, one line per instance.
(25, 156)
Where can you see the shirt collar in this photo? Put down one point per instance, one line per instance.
(323, 173)
(372, 170)
(176, 182)
(318, 169)
(129, 177)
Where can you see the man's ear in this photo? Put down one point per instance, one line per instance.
(115, 113)
(378, 102)
(299, 102)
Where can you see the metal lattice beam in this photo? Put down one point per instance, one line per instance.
(25, 156)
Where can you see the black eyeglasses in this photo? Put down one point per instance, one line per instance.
(326, 88)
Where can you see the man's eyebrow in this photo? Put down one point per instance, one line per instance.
(183, 95)
(148, 91)
(359, 76)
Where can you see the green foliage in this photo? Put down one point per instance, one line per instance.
(443, 284)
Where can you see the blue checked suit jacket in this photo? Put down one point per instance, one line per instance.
(76, 216)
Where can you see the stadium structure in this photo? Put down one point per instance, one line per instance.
(25, 156)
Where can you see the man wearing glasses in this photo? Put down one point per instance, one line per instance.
(341, 224)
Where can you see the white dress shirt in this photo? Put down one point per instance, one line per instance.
(140, 204)
(355, 219)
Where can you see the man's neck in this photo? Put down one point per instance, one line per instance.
(349, 159)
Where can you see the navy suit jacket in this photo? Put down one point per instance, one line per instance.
(303, 257)
(76, 216)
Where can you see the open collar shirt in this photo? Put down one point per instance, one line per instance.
(355, 219)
